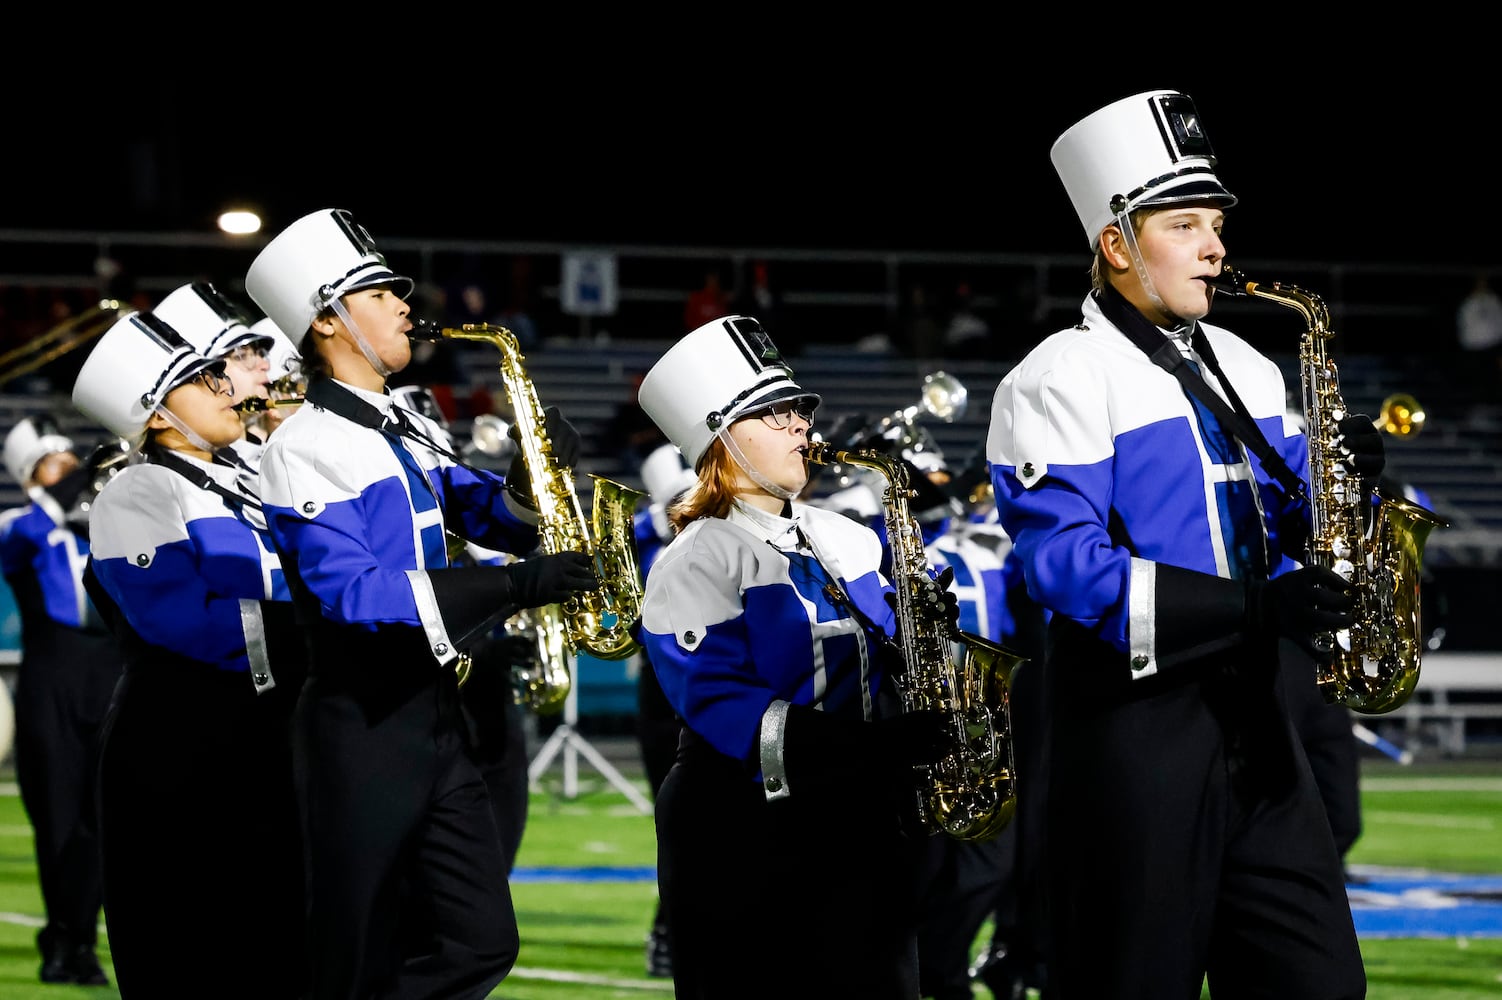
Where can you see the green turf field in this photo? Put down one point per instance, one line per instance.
(585, 939)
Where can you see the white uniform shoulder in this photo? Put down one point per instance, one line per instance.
(144, 507)
(321, 458)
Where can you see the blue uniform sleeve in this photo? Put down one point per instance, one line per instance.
(1051, 455)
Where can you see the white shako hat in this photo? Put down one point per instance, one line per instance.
(30, 441)
(312, 262)
(1141, 151)
(665, 474)
(282, 354)
(210, 323)
(713, 376)
(130, 370)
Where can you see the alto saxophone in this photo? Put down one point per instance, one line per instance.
(970, 793)
(542, 682)
(1373, 667)
(597, 621)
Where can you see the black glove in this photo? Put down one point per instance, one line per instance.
(911, 739)
(1362, 441)
(1301, 605)
(548, 579)
(562, 438)
(822, 750)
(934, 595)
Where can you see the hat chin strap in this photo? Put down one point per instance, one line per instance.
(354, 331)
(193, 438)
(779, 492)
(1124, 223)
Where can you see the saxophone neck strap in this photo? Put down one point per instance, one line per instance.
(201, 479)
(335, 398)
(835, 592)
(1165, 354)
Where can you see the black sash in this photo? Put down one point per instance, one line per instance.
(340, 401)
(201, 479)
(1165, 354)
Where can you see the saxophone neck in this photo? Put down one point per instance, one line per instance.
(1313, 308)
(426, 331)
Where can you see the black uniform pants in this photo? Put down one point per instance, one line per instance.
(809, 896)
(657, 729)
(202, 870)
(1168, 862)
(407, 882)
(63, 690)
(1334, 753)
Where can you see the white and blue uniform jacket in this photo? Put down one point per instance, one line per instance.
(736, 616)
(187, 568)
(36, 540)
(363, 514)
(1103, 470)
(977, 582)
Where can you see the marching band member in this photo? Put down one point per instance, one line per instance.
(1164, 539)
(196, 813)
(666, 476)
(780, 844)
(407, 883)
(958, 882)
(496, 721)
(286, 385)
(215, 328)
(69, 665)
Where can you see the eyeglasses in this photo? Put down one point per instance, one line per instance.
(246, 354)
(779, 416)
(215, 381)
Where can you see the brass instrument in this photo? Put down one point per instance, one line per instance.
(543, 682)
(597, 621)
(73, 332)
(1401, 416)
(1373, 666)
(941, 396)
(971, 793)
(285, 391)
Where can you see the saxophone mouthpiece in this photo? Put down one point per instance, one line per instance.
(1231, 281)
(425, 330)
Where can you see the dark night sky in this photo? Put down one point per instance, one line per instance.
(927, 158)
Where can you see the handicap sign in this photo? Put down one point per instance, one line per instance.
(588, 287)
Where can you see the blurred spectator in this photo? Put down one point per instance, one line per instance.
(516, 308)
(1478, 328)
(706, 303)
(967, 334)
(631, 435)
(918, 332)
(759, 297)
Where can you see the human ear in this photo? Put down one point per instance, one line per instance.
(1113, 247)
(323, 324)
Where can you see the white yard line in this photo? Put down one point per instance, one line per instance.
(1467, 784)
(1438, 820)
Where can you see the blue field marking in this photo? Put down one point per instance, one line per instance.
(599, 873)
(1403, 904)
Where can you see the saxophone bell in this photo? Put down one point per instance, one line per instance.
(1373, 541)
(597, 621)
